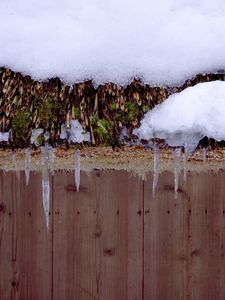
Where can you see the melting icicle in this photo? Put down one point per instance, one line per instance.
(155, 169)
(176, 155)
(51, 159)
(27, 165)
(185, 159)
(45, 183)
(77, 169)
(15, 166)
(204, 150)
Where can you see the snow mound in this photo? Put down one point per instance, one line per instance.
(163, 42)
(186, 117)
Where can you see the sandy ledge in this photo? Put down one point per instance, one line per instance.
(132, 159)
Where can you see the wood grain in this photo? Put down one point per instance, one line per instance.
(98, 237)
(113, 239)
(165, 241)
(25, 245)
(207, 236)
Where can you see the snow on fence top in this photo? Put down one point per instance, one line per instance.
(186, 117)
(163, 41)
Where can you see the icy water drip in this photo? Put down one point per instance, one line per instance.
(77, 169)
(156, 154)
(45, 161)
(27, 165)
(176, 156)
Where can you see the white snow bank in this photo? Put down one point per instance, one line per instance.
(186, 117)
(163, 41)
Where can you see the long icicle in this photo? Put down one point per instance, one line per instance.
(77, 169)
(45, 183)
(176, 156)
(52, 160)
(155, 169)
(185, 167)
(27, 165)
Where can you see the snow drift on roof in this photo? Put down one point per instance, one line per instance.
(163, 41)
(186, 117)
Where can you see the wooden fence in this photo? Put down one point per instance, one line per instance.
(113, 240)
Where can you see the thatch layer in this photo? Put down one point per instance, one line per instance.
(26, 104)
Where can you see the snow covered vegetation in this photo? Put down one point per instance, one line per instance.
(162, 42)
(186, 117)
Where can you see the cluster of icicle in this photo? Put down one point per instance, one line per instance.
(47, 168)
(179, 157)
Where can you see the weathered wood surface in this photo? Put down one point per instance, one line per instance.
(25, 246)
(113, 239)
(165, 243)
(98, 237)
(184, 238)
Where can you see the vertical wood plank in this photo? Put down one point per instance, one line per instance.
(25, 245)
(207, 236)
(184, 238)
(98, 237)
(165, 240)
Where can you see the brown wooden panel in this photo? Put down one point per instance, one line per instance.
(206, 265)
(98, 237)
(165, 241)
(184, 238)
(25, 245)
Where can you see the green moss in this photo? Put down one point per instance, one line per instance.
(94, 119)
(47, 114)
(76, 111)
(20, 128)
(129, 115)
(145, 108)
(129, 105)
(113, 106)
(50, 110)
(40, 139)
(103, 131)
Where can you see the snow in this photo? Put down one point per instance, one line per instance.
(75, 133)
(186, 117)
(35, 134)
(163, 42)
(4, 136)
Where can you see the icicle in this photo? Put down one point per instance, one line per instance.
(77, 169)
(204, 150)
(155, 169)
(45, 183)
(15, 166)
(51, 159)
(185, 159)
(176, 155)
(27, 165)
